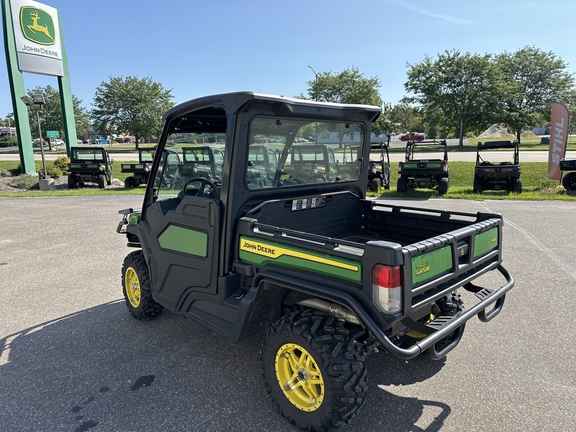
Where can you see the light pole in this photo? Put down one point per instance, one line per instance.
(9, 116)
(315, 84)
(36, 104)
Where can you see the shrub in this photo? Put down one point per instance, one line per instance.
(62, 163)
(25, 181)
(53, 171)
(4, 172)
(9, 141)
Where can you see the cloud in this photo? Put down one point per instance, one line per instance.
(449, 18)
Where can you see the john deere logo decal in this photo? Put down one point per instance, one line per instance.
(422, 268)
(37, 25)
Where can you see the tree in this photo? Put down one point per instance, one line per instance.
(529, 80)
(455, 91)
(130, 106)
(347, 87)
(406, 117)
(51, 116)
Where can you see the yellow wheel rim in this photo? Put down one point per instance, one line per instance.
(299, 377)
(132, 284)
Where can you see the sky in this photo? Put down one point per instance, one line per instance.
(197, 48)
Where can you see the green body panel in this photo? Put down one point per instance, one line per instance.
(434, 165)
(88, 166)
(430, 265)
(184, 240)
(262, 252)
(485, 242)
(135, 217)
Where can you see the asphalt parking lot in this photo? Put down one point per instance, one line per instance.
(73, 359)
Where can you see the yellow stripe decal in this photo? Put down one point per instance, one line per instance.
(273, 251)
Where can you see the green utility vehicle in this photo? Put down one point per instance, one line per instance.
(569, 179)
(202, 161)
(310, 163)
(140, 170)
(379, 171)
(497, 175)
(89, 165)
(328, 275)
(424, 173)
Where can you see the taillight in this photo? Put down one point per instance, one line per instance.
(444, 166)
(195, 168)
(315, 169)
(400, 165)
(146, 167)
(373, 168)
(387, 288)
(101, 167)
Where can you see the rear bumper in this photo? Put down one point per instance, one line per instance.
(488, 298)
(493, 299)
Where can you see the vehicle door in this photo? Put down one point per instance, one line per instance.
(184, 223)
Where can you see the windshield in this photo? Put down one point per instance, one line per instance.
(292, 152)
(82, 154)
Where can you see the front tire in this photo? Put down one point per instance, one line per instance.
(314, 370)
(137, 289)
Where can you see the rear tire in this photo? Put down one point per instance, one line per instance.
(478, 187)
(375, 184)
(443, 185)
(314, 370)
(569, 181)
(71, 181)
(101, 181)
(129, 182)
(517, 185)
(137, 289)
(401, 186)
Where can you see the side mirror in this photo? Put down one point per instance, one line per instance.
(111, 161)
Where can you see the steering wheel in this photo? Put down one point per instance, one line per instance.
(201, 190)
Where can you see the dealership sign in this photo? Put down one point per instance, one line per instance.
(37, 37)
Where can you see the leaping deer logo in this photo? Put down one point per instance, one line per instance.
(35, 27)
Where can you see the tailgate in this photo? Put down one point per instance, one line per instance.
(441, 264)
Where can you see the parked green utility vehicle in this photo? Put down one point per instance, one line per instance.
(569, 179)
(140, 170)
(331, 275)
(498, 175)
(424, 172)
(89, 165)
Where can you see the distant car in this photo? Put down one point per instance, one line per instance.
(100, 141)
(412, 136)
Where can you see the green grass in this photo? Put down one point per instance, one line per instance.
(535, 185)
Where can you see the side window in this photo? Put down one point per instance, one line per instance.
(168, 174)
